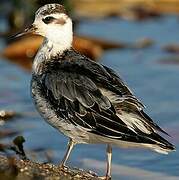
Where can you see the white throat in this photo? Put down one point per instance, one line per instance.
(58, 38)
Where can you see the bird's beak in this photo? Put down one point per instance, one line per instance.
(30, 30)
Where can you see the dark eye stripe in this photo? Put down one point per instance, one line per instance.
(60, 21)
(48, 19)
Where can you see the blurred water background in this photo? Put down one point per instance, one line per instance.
(154, 82)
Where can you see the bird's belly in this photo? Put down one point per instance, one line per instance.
(46, 110)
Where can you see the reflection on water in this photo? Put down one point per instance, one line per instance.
(155, 84)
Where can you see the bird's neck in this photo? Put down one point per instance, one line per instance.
(47, 52)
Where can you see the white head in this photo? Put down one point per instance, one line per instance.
(52, 22)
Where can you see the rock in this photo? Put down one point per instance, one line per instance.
(13, 168)
(5, 115)
(171, 48)
(101, 9)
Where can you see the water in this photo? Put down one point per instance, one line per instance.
(155, 84)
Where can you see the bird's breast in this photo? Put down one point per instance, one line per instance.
(47, 110)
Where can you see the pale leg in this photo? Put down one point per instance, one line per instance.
(109, 157)
(67, 154)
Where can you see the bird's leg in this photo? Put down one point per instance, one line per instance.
(109, 157)
(67, 154)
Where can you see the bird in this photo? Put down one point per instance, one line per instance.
(86, 101)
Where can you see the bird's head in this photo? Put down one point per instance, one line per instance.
(52, 22)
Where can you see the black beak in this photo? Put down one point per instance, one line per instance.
(30, 30)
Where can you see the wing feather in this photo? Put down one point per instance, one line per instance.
(94, 97)
(85, 105)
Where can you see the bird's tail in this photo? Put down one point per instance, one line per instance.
(161, 145)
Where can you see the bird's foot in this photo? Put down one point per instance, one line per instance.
(63, 167)
(105, 177)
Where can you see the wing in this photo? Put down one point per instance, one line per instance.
(129, 108)
(95, 98)
(79, 100)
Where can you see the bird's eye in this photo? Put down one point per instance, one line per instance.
(48, 19)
